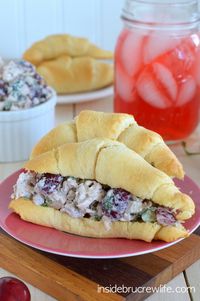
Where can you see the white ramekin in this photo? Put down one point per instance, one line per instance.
(21, 130)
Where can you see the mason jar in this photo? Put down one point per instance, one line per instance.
(157, 66)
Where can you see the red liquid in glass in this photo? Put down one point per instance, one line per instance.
(157, 80)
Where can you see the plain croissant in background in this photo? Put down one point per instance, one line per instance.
(70, 64)
(70, 75)
(54, 46)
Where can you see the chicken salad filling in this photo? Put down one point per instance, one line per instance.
(89, 199)
(21, 87)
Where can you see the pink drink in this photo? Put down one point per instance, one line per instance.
(157, 80)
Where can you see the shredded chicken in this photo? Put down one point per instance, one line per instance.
(88, 198)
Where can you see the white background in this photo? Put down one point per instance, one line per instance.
(23, 22)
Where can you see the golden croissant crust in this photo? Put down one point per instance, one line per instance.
(54, 46)
(70, 75)
(116, 126)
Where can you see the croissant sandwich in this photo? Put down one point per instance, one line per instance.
(116, 126)
(54, 46)
(101, 188)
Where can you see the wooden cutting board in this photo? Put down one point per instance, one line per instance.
(66, 278)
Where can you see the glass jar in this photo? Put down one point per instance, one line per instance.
(157, 66)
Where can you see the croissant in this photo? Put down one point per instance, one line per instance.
(54, 46)
(67, 75)
(109, 163)
(116, 126)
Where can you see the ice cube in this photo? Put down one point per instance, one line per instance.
(157, 45)
(164, 75)
(131, 53)
(150, 93)
(187, 91)
(124, 85)
(197, 69)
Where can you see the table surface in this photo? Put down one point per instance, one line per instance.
(187, 282)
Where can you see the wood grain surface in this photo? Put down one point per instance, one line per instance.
(67, 278)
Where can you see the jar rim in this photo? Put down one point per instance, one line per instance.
(153, 13)
(183, 2)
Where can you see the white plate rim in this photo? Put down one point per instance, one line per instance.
(86, 96)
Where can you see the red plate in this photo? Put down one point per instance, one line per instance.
(57, 242)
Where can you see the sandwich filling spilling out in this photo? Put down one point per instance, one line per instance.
(89, 199)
